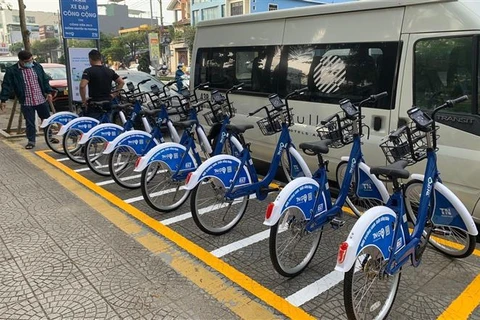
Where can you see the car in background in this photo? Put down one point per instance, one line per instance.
(5, 62)
(57, 77)
(134, 67)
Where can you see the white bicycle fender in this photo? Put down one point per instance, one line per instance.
(171, 154)
(135, 139)
(83, 124)
(303, 165)
(62, 117)
(373, 228)
(108, 131)
(449, 210)
(379, 186)
(297, 193)
(223, 167)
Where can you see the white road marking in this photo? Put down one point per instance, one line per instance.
(220, 252)
(102, 183)
(315, 289)
(63, 159)
(155, 194)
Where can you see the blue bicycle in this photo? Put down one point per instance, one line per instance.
(223, 184)
(172, 162)
(381, 243)
(304, 207)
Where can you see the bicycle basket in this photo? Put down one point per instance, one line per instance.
(407, 143)
(272, 123)
(337, 129)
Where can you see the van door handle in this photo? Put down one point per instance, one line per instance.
(402, 122)
(377, 123)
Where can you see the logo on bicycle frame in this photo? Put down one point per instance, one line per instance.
(354, 162)
(281, 146)
(429, 186)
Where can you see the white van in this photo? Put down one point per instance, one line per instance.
(5, 62)
(421, 52)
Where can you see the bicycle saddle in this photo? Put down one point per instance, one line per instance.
(185, 124)
(122, 106)
(99, 103)
(149, 112)
(239, 128)
(392, 171)
(316, 147)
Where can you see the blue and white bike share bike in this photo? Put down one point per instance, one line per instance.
(174, 161)
(304, 207)
(223, 184)
(381, 243)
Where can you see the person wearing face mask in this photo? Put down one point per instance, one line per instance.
(27, 80)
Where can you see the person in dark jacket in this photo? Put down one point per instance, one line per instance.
(27, 80)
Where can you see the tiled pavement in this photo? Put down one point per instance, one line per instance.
(59, 259)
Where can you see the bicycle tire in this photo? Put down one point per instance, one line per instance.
(74, 151)
(459, 244)
(369, 263)
(94, 157)
(50, 132)
(160, 188)
(121, 164)
(200, 213)
(358, 205)
(290, 227)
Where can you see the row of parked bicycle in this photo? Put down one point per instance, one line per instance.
(216, 170)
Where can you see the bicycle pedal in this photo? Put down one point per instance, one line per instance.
(441, 232)
(268, 190)
(337, 223)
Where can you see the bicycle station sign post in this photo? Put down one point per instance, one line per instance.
(79, 21)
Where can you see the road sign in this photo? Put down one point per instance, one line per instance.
(154, 48)
(79, 19)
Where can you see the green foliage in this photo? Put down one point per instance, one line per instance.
(16, 47)
(144, 62)
(189, 35)
(134, 41)
(43, 49)
(115, 53)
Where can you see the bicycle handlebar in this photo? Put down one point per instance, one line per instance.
(258, 110)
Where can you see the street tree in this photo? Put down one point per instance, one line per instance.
(134, 41)
(16, 47)
(43, 49)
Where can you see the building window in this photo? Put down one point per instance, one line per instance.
(16, 18)
(223, 10)
(443, 70)
(272, 7)
(236, 8)
(30, 19)
(196, 16)
(210, 13)
(253, 8)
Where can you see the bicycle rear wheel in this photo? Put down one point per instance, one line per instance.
(74, 151)
(368, 292)
(121, 164)
(52, 139)
(159, 190)
(449, 240)
(211, 211)
(291, 246)
(94, 157)
(358, 205)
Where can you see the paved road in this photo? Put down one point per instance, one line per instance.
(244, 268)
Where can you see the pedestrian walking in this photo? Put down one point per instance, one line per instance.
(179, 77)
(98, 79)
(28, 81)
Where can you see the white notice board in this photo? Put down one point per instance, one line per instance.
(78, 58)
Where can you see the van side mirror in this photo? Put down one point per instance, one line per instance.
(3, 69)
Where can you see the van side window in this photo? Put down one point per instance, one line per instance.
(336, 71)
(443, 70)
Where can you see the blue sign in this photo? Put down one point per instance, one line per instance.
(79, 19)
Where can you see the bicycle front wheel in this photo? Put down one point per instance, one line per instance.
(96, 160)
(368, 292)
(121, 166)
(74, 151)
(159, 190)
(291, 246)
(357, 204)
(449, 240)
(52, 139)
(211, 211)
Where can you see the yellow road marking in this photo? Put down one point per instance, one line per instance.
(465, 304)
(228, 271)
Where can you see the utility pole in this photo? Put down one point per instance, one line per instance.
(23, 26)
(151, 13)
(161, 32)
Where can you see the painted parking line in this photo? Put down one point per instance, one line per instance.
(241, 279)
(229, 248)
(62, 159)
(107, 182)
(465, 304)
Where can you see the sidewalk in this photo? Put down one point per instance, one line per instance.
(59, 258)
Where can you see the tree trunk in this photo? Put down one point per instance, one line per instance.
(23, 26)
